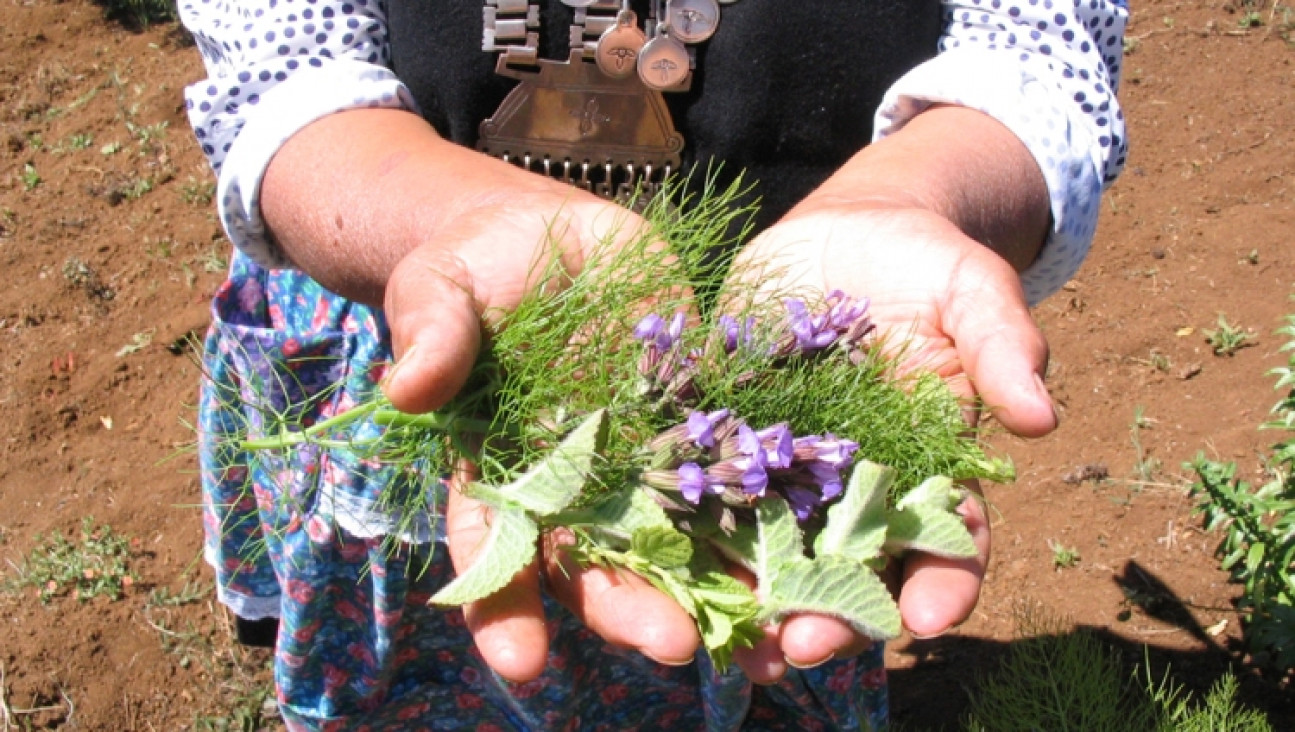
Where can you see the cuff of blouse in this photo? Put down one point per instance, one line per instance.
(1018, 92)
(306, 96)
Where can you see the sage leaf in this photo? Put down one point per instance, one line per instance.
(667, 548)
(836, 586)
(554, 482)
(925, 521)
(509, 545)
(617, 515)
(779, 539)
(856, 523)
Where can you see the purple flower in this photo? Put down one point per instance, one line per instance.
(812, 332)
(774, 445)
(701, 426)
(828, 479)
(649, 327)
(692, 481)
(802, 501)
(828, 448)
(736, 334)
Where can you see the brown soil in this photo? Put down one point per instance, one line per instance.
(116, 246)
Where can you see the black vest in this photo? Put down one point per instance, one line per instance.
(785, 90)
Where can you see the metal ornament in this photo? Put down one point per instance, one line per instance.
(619, 46)
(692, 21)
(664, 63)
(583, 3)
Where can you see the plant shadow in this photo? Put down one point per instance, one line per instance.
(935, 692)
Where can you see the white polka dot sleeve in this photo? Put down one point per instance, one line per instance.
(1049, 71)
(273, 67)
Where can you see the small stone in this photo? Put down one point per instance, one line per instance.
(1157, 253)
(1190, 371)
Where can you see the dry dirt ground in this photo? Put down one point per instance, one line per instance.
(110, 251)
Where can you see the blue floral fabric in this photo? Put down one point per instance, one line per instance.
(309, 536)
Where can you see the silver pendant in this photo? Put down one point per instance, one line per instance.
(692, 21)
(663, 63)
(619, 46)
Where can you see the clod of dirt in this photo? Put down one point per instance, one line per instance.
(1190, 371)
(1095, 472)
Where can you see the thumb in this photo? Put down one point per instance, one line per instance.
(435, 329)
(1003, 352)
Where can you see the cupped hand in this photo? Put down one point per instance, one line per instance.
(436, 300)
(959, 309)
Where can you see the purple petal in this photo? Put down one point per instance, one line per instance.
(648, 328)
(692, 480)
(754, 478)
(701, 430)
(778, 444)
(802, 501)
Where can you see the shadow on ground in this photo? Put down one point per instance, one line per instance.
(927, 697)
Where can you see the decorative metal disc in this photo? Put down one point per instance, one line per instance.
(618, 49)
(578, 3)
(692, 21)
(663, 63)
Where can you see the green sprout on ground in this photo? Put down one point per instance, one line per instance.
(30, 178)
(1063, 557)
(1146, 466)
(1227, 339)
(97, 565)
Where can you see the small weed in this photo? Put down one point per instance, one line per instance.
(138, 342)
(1251, 19)
(160, 249)
(1063, 557)
(30, 178)
(80, 141)
(1227, 339)
(35, 141)
(95, 566)
(1145, 466)
(213, 261)
(80, 275)
(111, 148)
(192, 592)
(148, 136)
(198, 192)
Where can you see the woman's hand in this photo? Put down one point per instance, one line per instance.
(896, 225)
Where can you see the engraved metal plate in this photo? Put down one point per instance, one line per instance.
(692, 21)
(573, 122)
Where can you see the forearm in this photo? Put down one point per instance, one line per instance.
(349, 195)
(960, 164)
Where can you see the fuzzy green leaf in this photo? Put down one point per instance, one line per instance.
(856, 524)
(779, 538)
(618, 515)
(834, 586)
(553, 483)
(667, 548)
(509, 545)
(724, 592)
(934, 492)
(930, 530)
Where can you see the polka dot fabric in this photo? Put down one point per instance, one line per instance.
(273, 67)
(1049, 71)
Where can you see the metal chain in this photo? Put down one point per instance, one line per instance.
(511, 27)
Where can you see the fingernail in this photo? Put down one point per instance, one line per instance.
(814, 664)
(931, 636)
(399, 364)
(663, 662)
(1042, 390)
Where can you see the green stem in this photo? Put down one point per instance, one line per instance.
(311, 433)
(432, 420)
